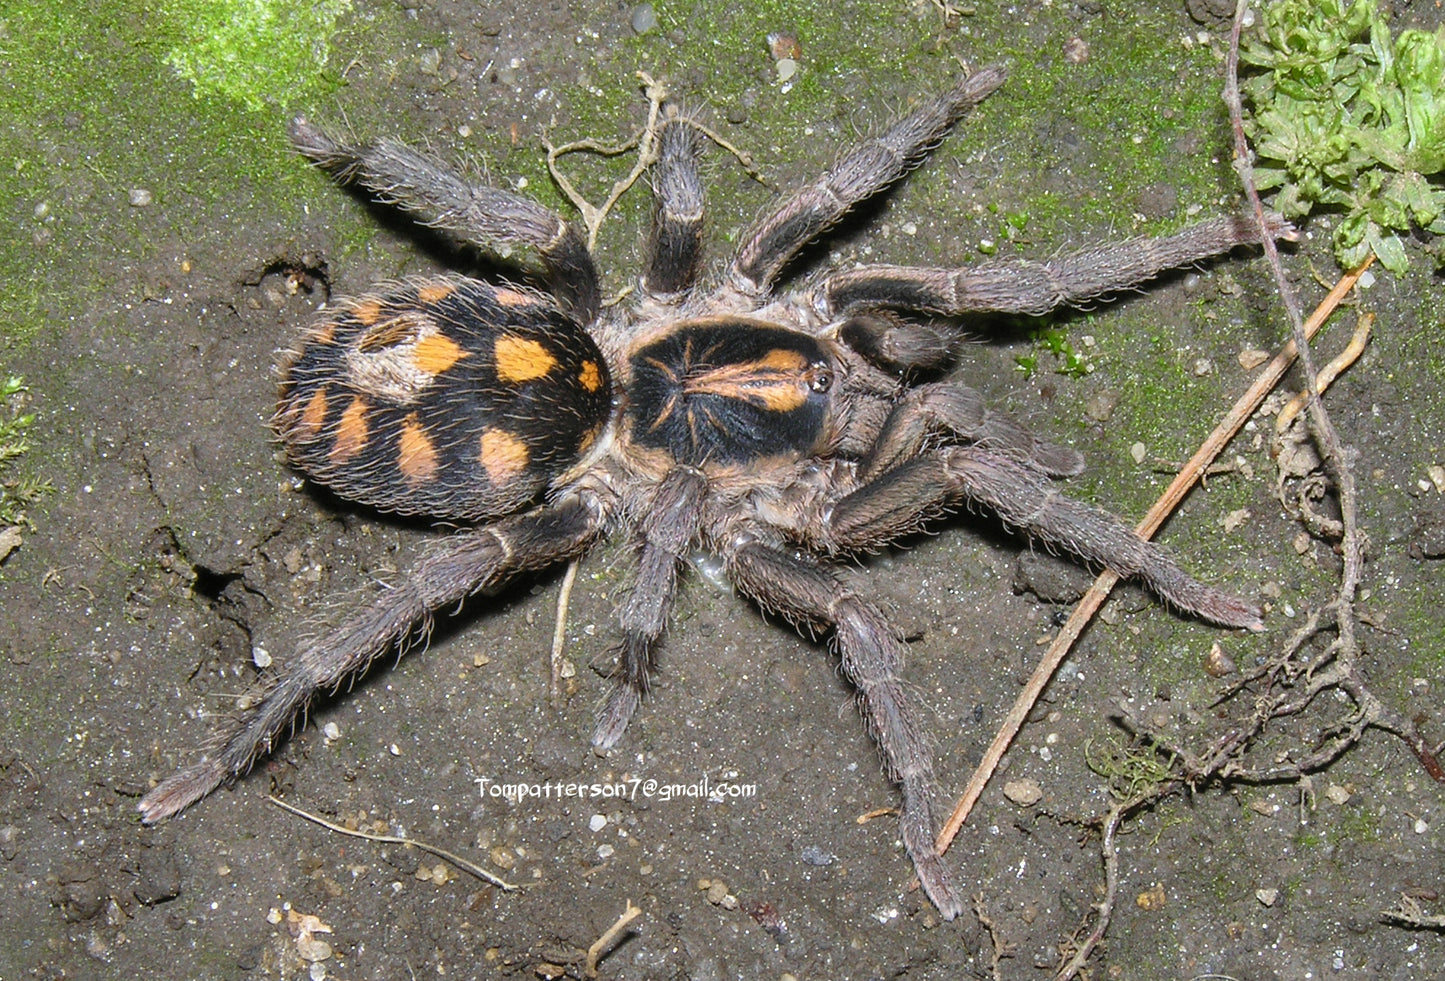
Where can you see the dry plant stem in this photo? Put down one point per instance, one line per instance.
(645, 141)
(559, 631)
(1346, 649)
(1110, 849)
(1001, 947)
(1188, 475)
(1329, 373)
(1408, 912)
(456, 860)
(594, 953)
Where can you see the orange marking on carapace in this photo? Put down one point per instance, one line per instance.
(436, 353)
(367, 312)
(521, 360)
(435, 292)
(415, 455)
(776, 381)
(503, 456)
(314, 415)
(511, 298)
(351, 432)
(590, 376)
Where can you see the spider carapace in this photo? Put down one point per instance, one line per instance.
(785, 432)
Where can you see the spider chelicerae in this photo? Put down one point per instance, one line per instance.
(785, 433)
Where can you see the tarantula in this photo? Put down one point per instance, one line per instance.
(786, 433)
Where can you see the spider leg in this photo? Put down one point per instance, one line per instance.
(483, 216)
(478, 560)
(901, 500)
(1033, 288)
(955, 409)
(668, 529)
(677, 227)
(888, 341)
(871, 652)
(862, 172)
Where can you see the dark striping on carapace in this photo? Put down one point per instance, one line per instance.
(728, 391)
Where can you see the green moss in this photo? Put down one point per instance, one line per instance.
(257, 52)
(18, 489)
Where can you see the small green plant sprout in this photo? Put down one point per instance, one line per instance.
(1348, 119)
(1067, 359)
(16, 492)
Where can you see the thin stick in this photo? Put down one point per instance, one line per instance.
(559, 631)
(594, 953)
(1099, 591)
(456, 860)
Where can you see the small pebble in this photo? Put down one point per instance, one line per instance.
(1138, 451)
(1268, 897)
(1024, 793)
(597, 823)
(331, 731)
(787, 68)
(813, 855)
(1076, 51)
(1336, 794)
(717, 892)
(140, 197)
(312, 949)
(1252, 358)
(644, 18)
(503, 858)
(1218, 664)
(783, 45)
(1151, 899)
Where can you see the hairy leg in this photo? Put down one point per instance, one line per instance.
(871, 652)
(669, 528)
(471, 562)
(482, 215)
(891, 343)
(902, 499)
(956, 410)
(862, 172)
(677, 227)
(1034, 287)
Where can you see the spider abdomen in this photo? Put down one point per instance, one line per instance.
(450, 398)
(729, 391)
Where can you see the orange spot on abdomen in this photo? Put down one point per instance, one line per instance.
(416, 456)
(351, 432)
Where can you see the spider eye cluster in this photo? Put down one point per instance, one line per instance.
(728, 391)
(449, 398)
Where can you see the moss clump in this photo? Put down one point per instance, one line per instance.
(253, 51)
(17, 491)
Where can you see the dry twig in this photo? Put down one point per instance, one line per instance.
(594, 953)
(455, 859)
